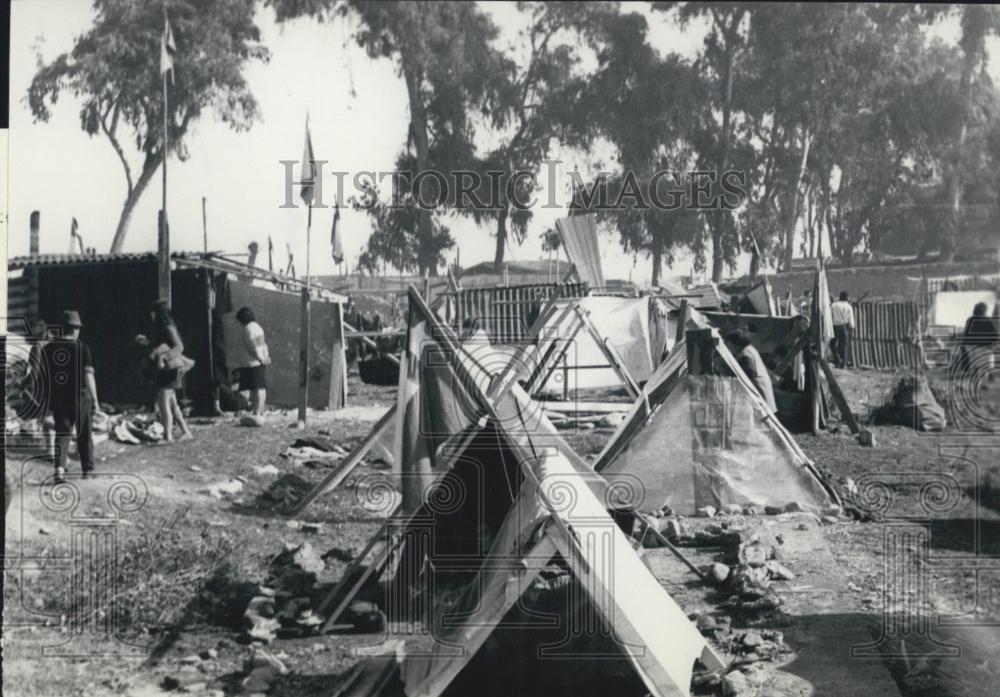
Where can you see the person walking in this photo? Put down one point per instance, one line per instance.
(252, 365)
(168, 364)
(753, 365)
(71, 393)
(842, 315)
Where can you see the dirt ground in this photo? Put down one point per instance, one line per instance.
(187, 563)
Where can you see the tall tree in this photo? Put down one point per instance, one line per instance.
(724, 44)
(444, 52)
(538, 104)
(647, 107)
(978, 22)
(113, 70)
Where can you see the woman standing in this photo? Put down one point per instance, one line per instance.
(168, 367)
(253, 365)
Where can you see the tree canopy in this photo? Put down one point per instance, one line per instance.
(113, 71)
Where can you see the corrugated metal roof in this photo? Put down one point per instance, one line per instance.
(83, 259)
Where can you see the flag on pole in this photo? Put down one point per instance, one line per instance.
(336, 243)
(74, 237)
(168, 49)
(308, 178)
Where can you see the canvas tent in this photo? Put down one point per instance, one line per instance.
(541, 503)
(635, 329)
(703, 437)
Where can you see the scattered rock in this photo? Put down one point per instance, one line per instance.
(209, 654)
(794, 507)
(773, 510)
(779, 572)
(750, 510)
(267, 471)
(830, 519)
(312, 528)
(866, 439)
(752, 640)
(732, 509)
(735, 684)
(753, 555)
(44, 531)
(706, 511)
(251, 420)
(339, 554)
(719, 573)
(706, 624)
(191, 660)
(612, 420)
(260, 679)
(221, 490)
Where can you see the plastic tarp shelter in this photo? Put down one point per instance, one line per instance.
(709, 440)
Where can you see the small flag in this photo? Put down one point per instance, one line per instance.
(168, 49)
(74, 237)
(308, 178)
(335, 237)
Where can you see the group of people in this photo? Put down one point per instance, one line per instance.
(66, 385)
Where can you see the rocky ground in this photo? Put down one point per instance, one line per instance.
(197, 538)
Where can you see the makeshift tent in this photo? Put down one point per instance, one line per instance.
(553, 507)
(633, 328)
(709, 439)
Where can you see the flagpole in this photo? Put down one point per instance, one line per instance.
(304, 332)
(164, 227)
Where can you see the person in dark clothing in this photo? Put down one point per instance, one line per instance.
(167, 360)
(752, 364)
(72, 393)
(980, 336)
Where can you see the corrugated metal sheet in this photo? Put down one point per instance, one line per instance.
(885, 335)
(24, 262)
(507, 313)
(579, 237)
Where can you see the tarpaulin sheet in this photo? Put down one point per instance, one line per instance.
(624, 322)
(707, 445)
(952, 308)
(579, 237)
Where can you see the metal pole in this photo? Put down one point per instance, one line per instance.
(304, 333)
(163, 243)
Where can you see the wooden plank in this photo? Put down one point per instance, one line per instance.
(838, 397)
(575, 407)
(347, 465)
(369, 343)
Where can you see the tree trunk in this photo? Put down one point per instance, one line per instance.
(426, 256)
(501, 237)
(148, 170)
(718, 226)
(657, 246)
(793, 209)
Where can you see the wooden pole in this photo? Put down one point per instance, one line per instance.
(204, 225)
(163, 243)
(304, 333)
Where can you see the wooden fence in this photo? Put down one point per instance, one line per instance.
(885, 333)
(506, 313)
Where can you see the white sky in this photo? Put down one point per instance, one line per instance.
(57, 169)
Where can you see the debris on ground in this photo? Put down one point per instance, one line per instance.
(135, 429)
(221, 490)
(252, 420)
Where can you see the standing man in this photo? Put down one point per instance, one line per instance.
(843, 327)
(753, 365)
(72, 393)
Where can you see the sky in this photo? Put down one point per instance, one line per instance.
(358, 119)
